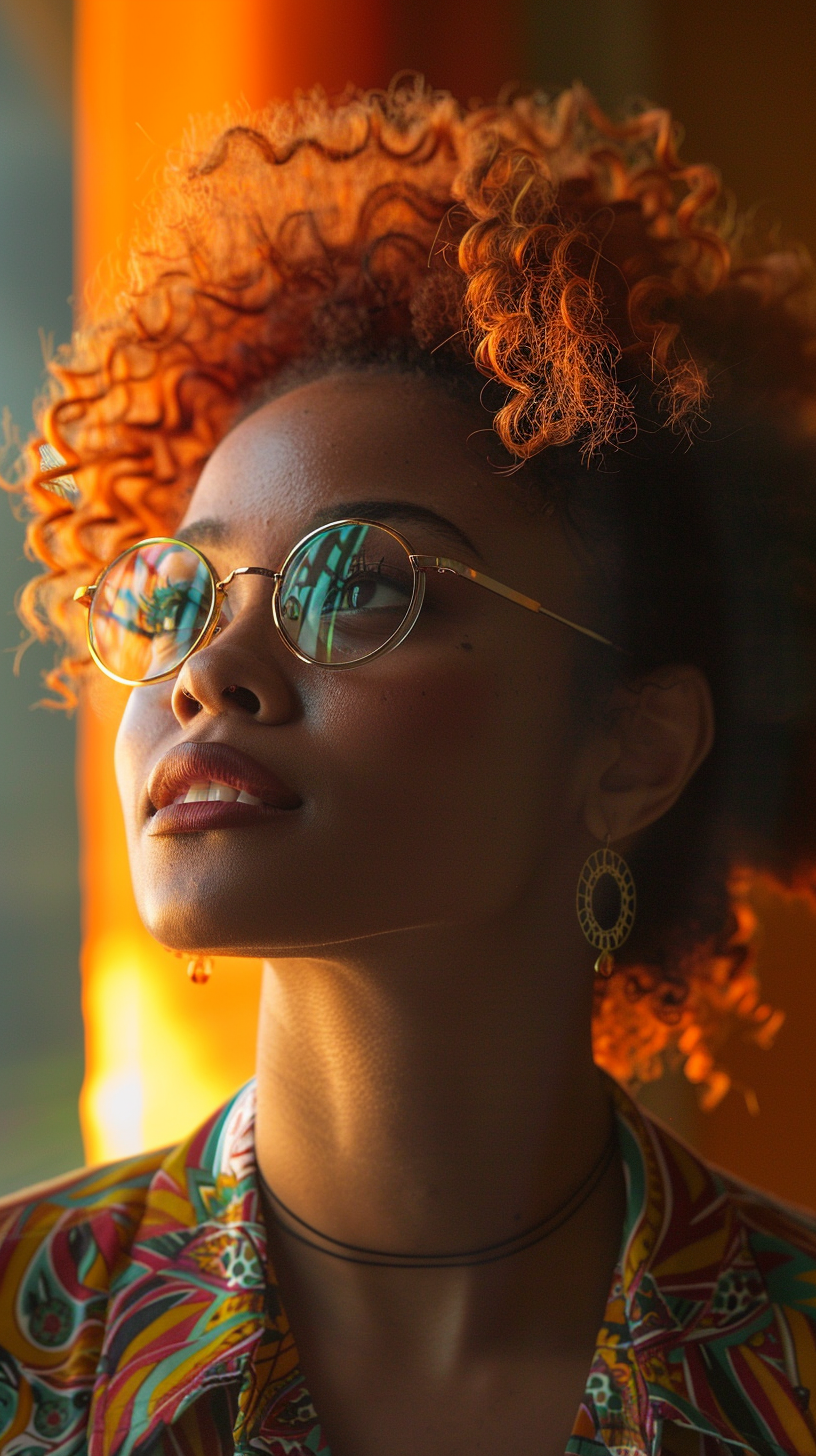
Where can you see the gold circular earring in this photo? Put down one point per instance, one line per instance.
(605, 870)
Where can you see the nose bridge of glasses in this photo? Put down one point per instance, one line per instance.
(247, 571)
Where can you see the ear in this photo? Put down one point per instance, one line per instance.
(660, 731)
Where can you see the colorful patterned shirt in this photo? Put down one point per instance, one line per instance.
(138, 1313)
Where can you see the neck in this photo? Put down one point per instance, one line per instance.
(417, 1095)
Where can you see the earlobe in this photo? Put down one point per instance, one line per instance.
(663, 729)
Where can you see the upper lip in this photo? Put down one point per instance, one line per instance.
(195, 763)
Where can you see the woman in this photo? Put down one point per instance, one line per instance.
(478, 447)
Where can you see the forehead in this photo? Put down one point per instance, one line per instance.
(357, 435)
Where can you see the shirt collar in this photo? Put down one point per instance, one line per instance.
(689, 1335)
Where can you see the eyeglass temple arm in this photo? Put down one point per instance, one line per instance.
(458, 568)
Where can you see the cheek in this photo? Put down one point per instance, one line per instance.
(147, 724)
(423, 719)
(468, 762)
(500, 714)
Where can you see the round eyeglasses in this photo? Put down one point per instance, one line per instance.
(345, 594)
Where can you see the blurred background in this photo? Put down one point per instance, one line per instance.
(40, 1022)
(91, 96)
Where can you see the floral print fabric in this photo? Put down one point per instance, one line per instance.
(138, 1314)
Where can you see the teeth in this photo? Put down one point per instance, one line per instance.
(215, 794)
(221, 794)
(195, 794)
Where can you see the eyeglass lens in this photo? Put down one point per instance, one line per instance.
(345, 592)
(150, 610)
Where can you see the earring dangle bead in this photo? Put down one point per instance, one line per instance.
(606, 939)
(199, 969)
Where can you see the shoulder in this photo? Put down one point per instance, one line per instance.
(718, 1282)
(59, 1245)
(782, 1237)
(62, 1242)
(86, 1191)
(105, 1207)
(696, 1225)
(67, 1248)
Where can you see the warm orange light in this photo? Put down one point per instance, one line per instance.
(160, 1052)
(112, 1103)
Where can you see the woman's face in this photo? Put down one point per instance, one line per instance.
(433, 786)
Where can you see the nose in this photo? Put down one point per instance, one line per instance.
(241, 670)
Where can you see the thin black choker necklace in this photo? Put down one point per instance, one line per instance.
(488, 1254)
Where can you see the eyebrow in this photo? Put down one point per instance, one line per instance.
(207, 532)
(396, 511)
(210, 531)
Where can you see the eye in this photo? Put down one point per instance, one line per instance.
(374, 587)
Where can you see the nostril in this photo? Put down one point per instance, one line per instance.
(243, 697)
(195, 706)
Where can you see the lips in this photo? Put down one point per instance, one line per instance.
(191, 766)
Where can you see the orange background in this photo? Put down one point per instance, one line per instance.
(160, 1051)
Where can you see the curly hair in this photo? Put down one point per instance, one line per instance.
(649, 360)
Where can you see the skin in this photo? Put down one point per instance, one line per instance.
(425, 1073)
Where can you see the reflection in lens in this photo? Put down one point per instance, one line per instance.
(345, 593)
(150, 609)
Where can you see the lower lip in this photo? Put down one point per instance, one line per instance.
(198, 817)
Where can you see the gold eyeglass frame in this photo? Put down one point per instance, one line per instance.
(444, 565)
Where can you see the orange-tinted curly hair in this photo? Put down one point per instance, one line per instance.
(604, 287)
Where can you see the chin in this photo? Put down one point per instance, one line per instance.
(210, 922)
(260, 906)
(198, 917)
